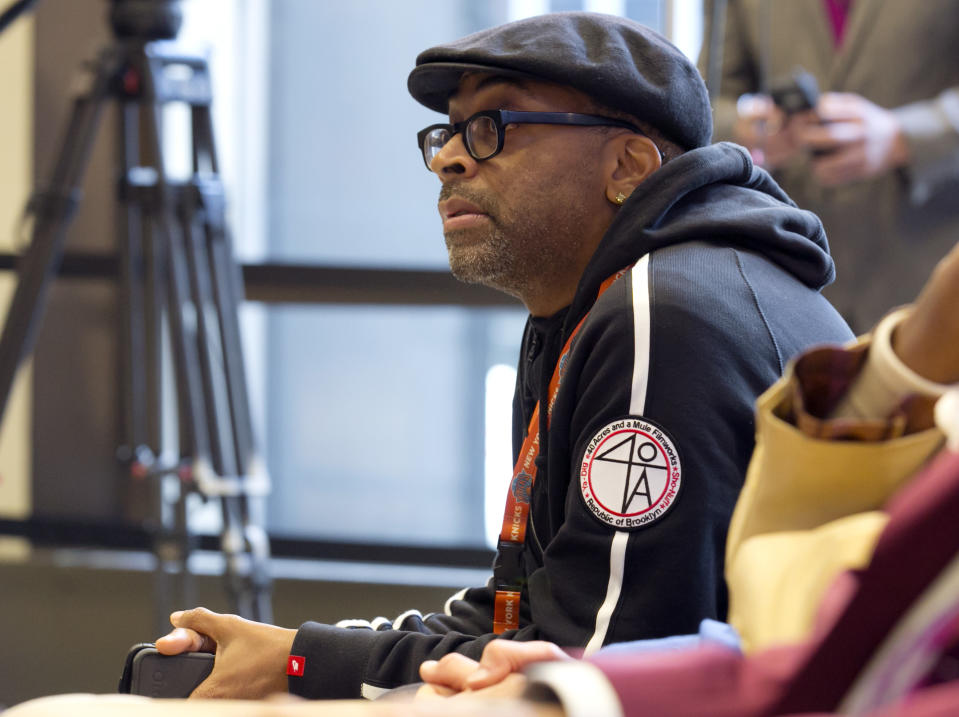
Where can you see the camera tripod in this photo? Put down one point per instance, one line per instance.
(180, 291)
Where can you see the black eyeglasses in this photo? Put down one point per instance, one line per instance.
(483, 133)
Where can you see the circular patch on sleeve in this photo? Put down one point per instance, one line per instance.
(631, 474)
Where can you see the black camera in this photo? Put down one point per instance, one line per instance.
(146, 19)
(146, 672)
(796, 92)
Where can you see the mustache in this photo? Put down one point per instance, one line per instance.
(483, 202)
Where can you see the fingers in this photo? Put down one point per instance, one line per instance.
(450, 671)
(181, 640)
(194, 631)
(201, 620)
(855, 140)
(504, 657)
(840, 122)
(251, 657)
(496, 670)
(841, 166)
(758, 119)
(431, 692)
(838, 148)
(753, 107)
(828, 137)
(511, 687)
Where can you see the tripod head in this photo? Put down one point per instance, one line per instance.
(146, 19)
(131, 19)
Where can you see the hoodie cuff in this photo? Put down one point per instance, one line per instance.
(334, 661)
(885, 381)
(930, 130)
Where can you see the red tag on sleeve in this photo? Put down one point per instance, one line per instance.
(295, 665)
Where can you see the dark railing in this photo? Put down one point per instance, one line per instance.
(275, 282)
(112, 535)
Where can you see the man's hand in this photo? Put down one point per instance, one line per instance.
(927, 341)
(853, 140)
(495, 673)
(250, 656)
(765, 131)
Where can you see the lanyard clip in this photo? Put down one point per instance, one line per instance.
(507, 566)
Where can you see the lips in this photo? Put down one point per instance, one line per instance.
(456, 207)
(459, 213)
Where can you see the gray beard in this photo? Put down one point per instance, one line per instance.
(519, 252)
(490, 259)
(490, 262)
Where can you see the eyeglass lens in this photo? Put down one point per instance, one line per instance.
(480, 136)
(434, 141)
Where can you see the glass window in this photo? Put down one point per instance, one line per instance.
(376, 420)
(345, 186)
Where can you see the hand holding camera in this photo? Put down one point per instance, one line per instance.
(854, 139)
(848, 137)
(768, 124)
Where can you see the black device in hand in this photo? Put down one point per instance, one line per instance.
(796, 92)
(147, 672)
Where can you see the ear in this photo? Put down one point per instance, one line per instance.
(628, 160)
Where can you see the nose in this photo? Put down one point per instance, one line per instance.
(453, 160)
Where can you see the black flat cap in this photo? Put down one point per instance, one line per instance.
(615, 61)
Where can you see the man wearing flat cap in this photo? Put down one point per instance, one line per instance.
(668, 283)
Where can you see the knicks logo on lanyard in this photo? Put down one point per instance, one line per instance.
(630, 475)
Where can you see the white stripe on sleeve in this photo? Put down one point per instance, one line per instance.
(617, 564)
(637, 404)
(641, 322)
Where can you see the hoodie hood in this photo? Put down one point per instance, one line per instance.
(706, 194)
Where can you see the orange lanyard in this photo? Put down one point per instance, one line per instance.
(508, 571)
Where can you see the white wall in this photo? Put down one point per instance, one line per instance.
(16, 171)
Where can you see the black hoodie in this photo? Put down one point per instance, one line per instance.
(646, 447)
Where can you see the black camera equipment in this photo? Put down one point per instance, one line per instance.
(796, 92)
(180, 291)
(146, 672)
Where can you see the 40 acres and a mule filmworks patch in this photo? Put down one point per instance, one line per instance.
(630, 475)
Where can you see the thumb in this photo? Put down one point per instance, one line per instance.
(181, 640)
(450, 671)
(503, 657)
(207, 624)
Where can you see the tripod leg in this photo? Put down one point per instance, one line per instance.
(166, 304)
(212, 399)
(140, 299)
(209, 347)
(219, 285)
(244, 542)
(52, 210)
(210, 353)
(227, 286)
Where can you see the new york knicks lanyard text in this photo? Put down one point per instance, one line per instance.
(507, 571)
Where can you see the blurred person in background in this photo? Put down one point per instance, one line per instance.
(877, 157)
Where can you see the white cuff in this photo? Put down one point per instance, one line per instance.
(884, 380)
(947, 418)
(581, 687)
